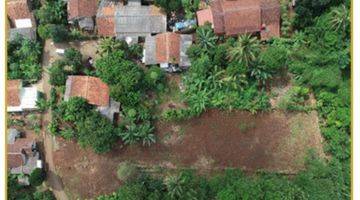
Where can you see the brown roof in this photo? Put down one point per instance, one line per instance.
(168, 48)
(19, 9)
(15, 160)
(204, 16)
(231, 17)
(105, 26)
(13, 92)
(81, 8)
(90, 88)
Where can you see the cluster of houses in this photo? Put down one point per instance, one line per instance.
(135, 21)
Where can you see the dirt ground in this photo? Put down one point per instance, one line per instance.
(274, 141)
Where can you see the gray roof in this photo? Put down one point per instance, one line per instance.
(185, 43)
(138, 19)
(29, 33)
(150, 50)
(110, 110)
(12, 135)
(86, 23)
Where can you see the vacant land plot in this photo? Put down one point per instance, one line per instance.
(273, 141)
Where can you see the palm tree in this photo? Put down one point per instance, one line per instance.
(108, 45)
(340, 18)
(176, 187)
(205, 37)
(245, 50)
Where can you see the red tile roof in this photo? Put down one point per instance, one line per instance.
(232, 17)
(168, 48)
(105, 26)
(90, 88)
(81, 8)
(19, 9)
(204, 16)
(13, 92)
(17, 151)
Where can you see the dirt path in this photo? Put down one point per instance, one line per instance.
(53, 180)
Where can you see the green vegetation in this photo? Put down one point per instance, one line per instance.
(127, 171)
(37, 177)
(316, 182)
(24, 60)
(295, 99)
(52, 17)
(77, 119)
(15, 191)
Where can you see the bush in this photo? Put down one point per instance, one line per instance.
(24, 60)
(37, 177)
(294, 99)
(127, 171)
(57, 72)
(73, 58)
(45, 195)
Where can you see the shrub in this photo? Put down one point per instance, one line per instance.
(127, 171)
(45, 195)
(294, 99)
(57, 73)
(73, 58)
(37, 177)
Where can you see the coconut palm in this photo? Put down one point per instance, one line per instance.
(177, 187)
(108, 45)
(205, 37)
(340, 18)
(245, 50)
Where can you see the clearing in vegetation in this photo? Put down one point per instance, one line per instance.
(274, 141)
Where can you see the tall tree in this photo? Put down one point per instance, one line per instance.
(245, 50)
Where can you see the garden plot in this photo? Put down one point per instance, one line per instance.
(274, 141)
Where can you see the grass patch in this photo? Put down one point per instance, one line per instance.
(126, 171)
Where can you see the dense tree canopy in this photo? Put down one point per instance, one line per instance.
(24, 60)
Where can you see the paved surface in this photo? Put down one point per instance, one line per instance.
(53, 180)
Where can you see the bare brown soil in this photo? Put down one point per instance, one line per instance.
(273, 141)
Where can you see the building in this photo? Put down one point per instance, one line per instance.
(94, 91)
(129, 21)
(82, 12)
(20, 98)
(20, 14)
(233, 17)
(22, 154)
(167, 48)
(21, 19)
(28, 33)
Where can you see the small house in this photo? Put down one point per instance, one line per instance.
(167, 49)
(234, 17)
(95, 91)
(129, 21)
(22, 154)
(82, 12)
(21, 19)
(28, 33)
(20, 98)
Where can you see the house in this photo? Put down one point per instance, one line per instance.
(22, 154)
(233, 17)
(94, 91)
(20, 98)
(28, 33)
(83, 12)
(21, 19)
(20, 14)
(129, 21)
(167, 49)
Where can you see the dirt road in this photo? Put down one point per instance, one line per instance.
(53, 180)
